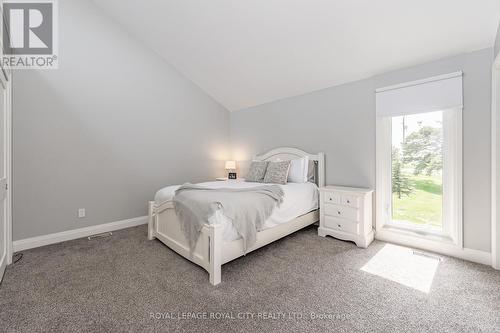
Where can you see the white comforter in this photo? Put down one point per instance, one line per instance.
(299, 199)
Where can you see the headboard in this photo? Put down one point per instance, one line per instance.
(286, 154)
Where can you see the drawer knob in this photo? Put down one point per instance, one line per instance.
(348, 201)
(338, 225)
(330, 199)
(338, 212)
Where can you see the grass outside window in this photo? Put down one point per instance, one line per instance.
(424, 205)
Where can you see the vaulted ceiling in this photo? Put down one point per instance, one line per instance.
(245, 53)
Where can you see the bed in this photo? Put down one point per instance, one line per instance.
(218, 242)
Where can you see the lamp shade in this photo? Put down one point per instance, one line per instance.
(230, 165)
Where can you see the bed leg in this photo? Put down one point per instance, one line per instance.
(215, 253)
(151, 220)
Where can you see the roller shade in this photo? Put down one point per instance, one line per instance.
(442, 92)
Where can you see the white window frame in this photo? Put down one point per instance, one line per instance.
(452, 233)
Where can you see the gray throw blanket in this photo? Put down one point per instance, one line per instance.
(247, 208)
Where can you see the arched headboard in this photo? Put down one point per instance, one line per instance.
(286, 154)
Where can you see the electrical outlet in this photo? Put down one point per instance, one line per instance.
(81, 212)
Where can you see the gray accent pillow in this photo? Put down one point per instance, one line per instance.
(257, 171)
(277, 172)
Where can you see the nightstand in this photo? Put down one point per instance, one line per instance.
(346, 213)
(225, 178)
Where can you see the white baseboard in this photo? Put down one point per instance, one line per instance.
(30, 243)
(451, 250)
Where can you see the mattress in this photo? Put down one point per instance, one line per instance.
(299, 199)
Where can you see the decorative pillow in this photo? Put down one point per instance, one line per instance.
(277, 172)
(257, 171)
(298, 170)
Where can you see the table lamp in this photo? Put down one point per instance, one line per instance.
(231, 166)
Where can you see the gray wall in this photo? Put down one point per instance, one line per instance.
(340, 121)
(105, 138)
(497, 42)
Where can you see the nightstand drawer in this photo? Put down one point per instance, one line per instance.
(341, 224)
(341, 211)
(350, 200)
(332, 197)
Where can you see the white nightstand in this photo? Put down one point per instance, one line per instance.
(225, 178)
(346, 213)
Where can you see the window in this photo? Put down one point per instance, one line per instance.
(419, 159)
(417, 171)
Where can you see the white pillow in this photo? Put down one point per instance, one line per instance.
(299, 169)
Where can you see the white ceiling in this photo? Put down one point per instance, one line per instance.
(245, 53)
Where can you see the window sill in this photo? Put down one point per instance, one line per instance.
(442, 246)
(434, 235)
(429, 242)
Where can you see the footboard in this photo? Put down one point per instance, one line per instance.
(164, 225)
(211, 250)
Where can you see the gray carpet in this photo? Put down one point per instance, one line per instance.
(115, 284)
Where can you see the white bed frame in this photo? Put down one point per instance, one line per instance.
(211, 250)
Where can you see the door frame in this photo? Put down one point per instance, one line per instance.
(8, 166)
(6, 83)
(495, 167)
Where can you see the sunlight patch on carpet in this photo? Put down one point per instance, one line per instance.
(404, 266)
